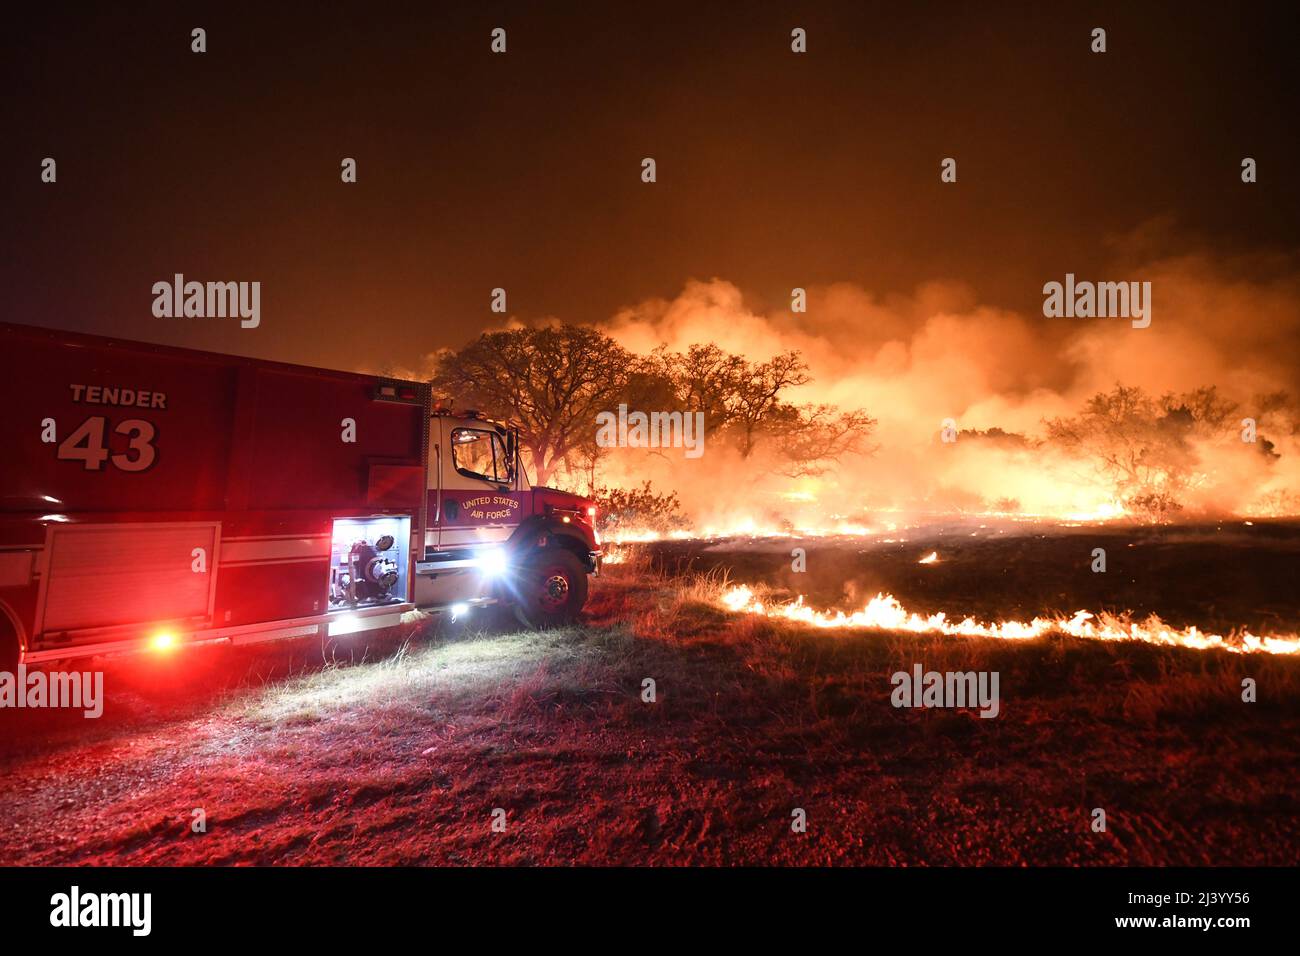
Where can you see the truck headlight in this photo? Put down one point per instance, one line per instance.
(494, 562)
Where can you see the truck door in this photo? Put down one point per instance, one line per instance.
(476, 501)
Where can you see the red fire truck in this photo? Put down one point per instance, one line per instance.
(152, 496)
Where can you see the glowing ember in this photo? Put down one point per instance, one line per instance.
(931, 558)
(885, 613)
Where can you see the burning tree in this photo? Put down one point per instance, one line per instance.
(1145, 448)
(554, 381)
(743, 404)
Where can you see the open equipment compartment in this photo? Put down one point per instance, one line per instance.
(369, 562)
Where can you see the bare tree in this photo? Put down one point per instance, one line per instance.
(757, 399)
(704, 379)
(815, 437)
(741, 400)
(552, 381)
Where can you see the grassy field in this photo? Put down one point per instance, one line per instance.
(402, 757)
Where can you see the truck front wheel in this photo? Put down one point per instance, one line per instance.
(552, 589)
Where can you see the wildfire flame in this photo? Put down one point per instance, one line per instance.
(885, 613)
(836, 526)
(746, 528)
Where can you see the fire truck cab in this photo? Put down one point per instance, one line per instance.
(153, 496)
(492, 536)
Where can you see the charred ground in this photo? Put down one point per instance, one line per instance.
(1227, 575)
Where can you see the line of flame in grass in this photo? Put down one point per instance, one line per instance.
(885, 613)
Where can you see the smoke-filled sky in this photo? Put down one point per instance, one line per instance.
(522, 170)
(774, 170)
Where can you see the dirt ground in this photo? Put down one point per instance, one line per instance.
(403, 756)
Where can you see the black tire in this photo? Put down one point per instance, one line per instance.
(552, 586)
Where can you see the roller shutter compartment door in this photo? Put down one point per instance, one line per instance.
(110, 575)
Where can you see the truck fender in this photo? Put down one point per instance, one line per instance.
(549, 531)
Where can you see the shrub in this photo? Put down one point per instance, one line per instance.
(639, 509)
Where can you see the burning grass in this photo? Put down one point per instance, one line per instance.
(885, 613)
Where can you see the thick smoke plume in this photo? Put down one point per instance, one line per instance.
(914, 361)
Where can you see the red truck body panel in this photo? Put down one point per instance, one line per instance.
(244, 457)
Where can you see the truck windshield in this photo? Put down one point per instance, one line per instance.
(479, 453)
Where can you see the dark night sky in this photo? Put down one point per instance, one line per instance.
(522, 171)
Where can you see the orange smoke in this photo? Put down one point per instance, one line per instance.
(915, 361)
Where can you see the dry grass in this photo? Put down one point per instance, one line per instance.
(401, 758)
